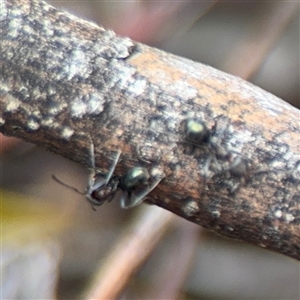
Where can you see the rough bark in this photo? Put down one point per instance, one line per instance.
(64, 79)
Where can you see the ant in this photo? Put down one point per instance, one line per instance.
(197, 134)
(134, 187)
(130, 189)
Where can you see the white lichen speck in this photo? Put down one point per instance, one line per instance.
(289, 218)
(94, 104)
(67, 132)
(12, 103)
(2, 121)
(191, 207)
(78, 108)
(137, 87)
(278, 213)
(77, 64)
(32, 125)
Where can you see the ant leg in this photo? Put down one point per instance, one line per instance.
(93, 173)
(92, 204)
(217, 164)
(91, 176)
(72, 188)
(124, 198)
(207, 166)
(135, 200)
(112, 168)
(93, 165)
(224, 127)
(216, 144)
(238, 167)
(97, 179)
(92, 155)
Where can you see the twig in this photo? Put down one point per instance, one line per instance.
(171, 274)
(132, 249)
(64, 79)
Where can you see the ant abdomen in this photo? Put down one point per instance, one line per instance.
(134, 178)
(134, 186)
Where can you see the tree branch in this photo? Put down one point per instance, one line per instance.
(64, 79)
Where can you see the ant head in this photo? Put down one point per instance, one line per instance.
(98, 194)
(196, 131)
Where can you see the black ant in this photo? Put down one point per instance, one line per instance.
(197, 134)
(130, 189)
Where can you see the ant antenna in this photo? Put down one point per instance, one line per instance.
(66, 185)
